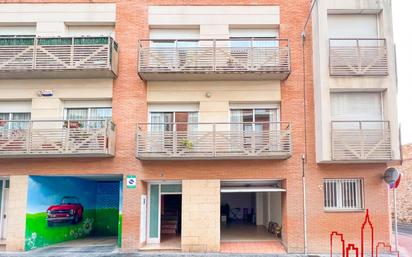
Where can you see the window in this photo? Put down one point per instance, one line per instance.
(353, 25)
(343, 194)
(15, 120)
(350, 26)
(90, 30)
(254, 128)
(96, 115)
(173, 121)
(185, 37)
(253, 119)
(263, 37)
(357, 106)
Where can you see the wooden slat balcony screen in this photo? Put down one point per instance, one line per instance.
(41, 54)
(268, 56)
(358, 57)
(57, 138)
(270, 140)
(361, 141)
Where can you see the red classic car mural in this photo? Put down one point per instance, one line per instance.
(69, 210)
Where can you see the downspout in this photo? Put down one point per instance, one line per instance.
(304, 161)
(305, 234)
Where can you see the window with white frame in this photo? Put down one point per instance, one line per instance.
(357, 106)
(186, 37)
(253, 118)
(172, 125)
(343, 194)
(93, 117)
(239, 37)
(14, 120)
(174, 121)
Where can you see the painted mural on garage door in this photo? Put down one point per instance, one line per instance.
(67, 208)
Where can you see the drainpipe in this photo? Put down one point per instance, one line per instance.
(305, 235)
(303, 35)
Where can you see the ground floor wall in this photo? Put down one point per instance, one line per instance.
(201, 215)
(200, 191)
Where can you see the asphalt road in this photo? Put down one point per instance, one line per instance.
(405, 239)
(405, 229)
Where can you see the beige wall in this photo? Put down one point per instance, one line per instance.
(216, 107)
(324, 83)
(189, 15)
(51, 19)
(217, 27)
(201, 215)
(16, 220)
(63, 89)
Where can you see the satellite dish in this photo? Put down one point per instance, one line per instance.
(392, 177)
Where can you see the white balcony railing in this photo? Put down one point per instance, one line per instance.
(57, 138)
(164, 141)
(358, 57)
(250, 58)
(361, 141)
(39, 57)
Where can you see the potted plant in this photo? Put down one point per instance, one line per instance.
(72, 124)
(187, 143)
(3, 123)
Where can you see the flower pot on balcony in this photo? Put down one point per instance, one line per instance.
(72, 124)
(187, 144)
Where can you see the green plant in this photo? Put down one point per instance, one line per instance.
(187, 143)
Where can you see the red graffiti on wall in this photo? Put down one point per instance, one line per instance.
(352, 250)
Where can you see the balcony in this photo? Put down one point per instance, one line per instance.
(361, 141)
(56, 138)
(58, 57)
(234, 59)
(210, 141)
(358, 57)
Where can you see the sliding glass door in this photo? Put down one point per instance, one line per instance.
(172, 130)
(253, 129)
(14, 121)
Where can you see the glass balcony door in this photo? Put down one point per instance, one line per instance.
(252, 129)
(14, 121)
(96, 115)
(172, 130)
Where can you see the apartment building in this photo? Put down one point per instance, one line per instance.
(196, 127)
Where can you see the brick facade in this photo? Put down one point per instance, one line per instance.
(404, 193)
(130, 107)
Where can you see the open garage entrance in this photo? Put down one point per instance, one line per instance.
(74, 210)
(251, 216)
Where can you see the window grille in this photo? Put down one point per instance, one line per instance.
(343, 194)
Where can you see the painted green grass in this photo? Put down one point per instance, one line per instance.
(119, 235)
(106, 222)
(38, 234)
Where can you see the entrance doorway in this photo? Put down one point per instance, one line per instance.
(171, 218)
(251, 216)
(164, 216)
(4, 199)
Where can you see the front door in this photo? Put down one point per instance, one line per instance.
(4, 189)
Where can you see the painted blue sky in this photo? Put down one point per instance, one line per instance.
(45, 191)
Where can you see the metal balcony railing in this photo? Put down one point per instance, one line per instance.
(358, 57)
(259, 140)
(205, 59)
(361, 141)
(63, 57)
(57, 138)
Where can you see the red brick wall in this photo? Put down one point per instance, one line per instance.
(129, 107)
(404, 193)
